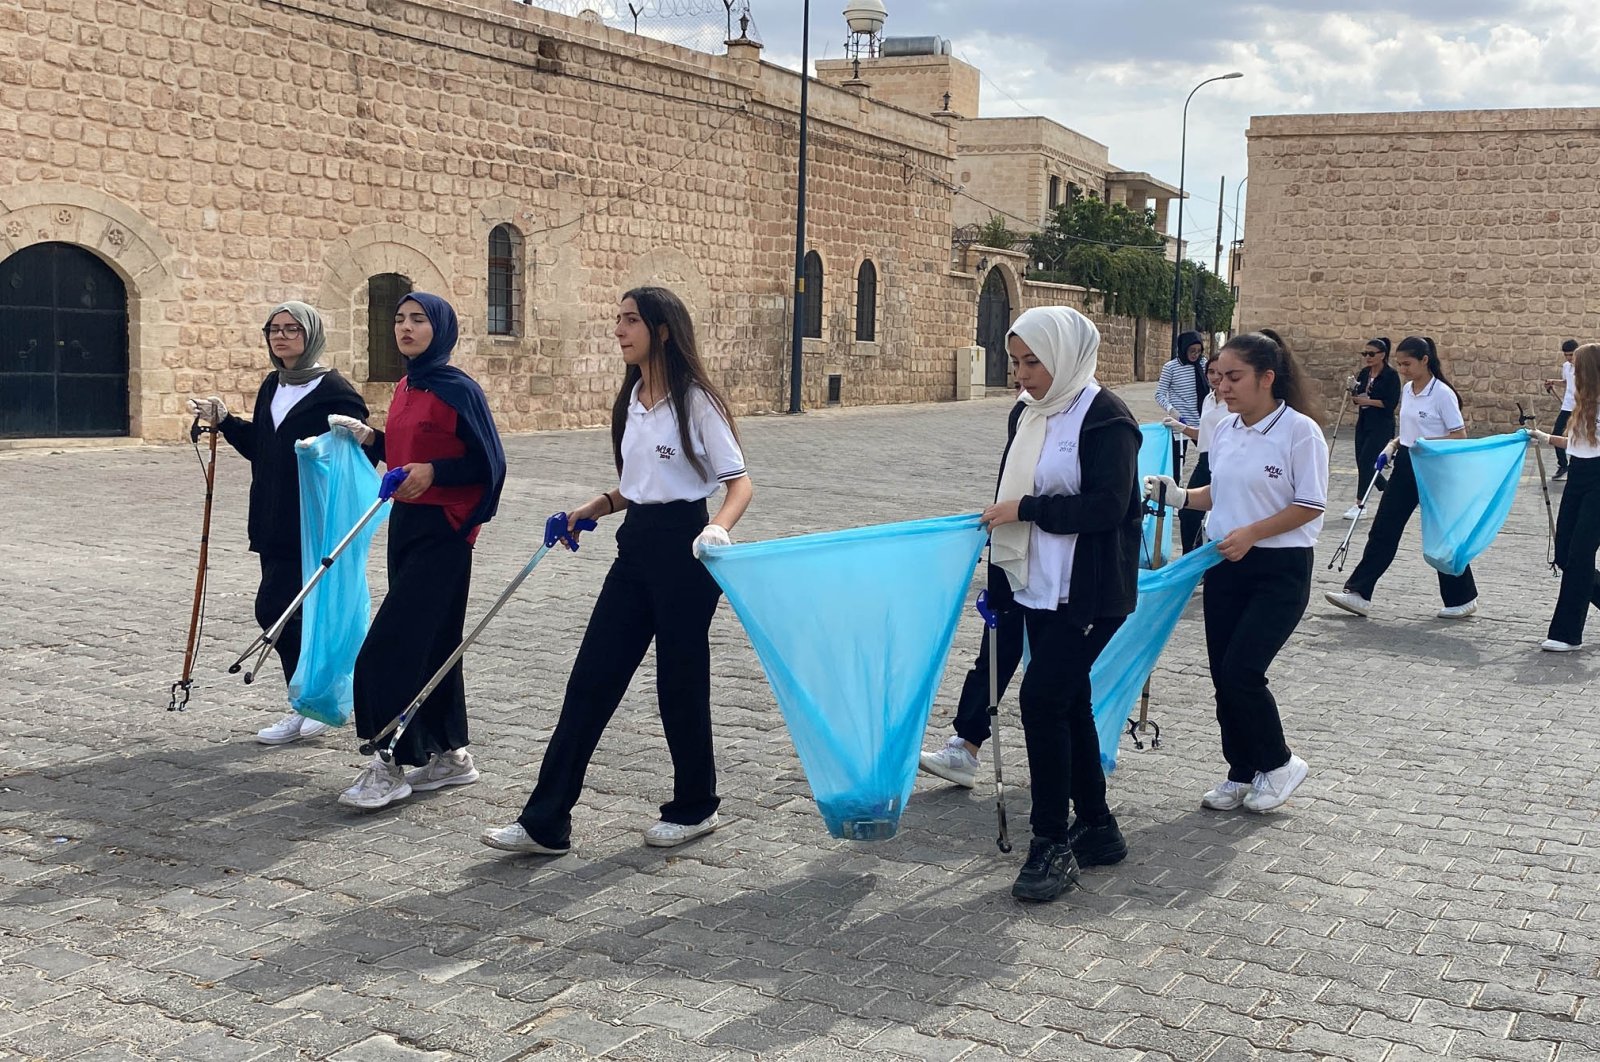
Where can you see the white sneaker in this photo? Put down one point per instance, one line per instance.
(1226, 796)
(1348, 600)
(514, 838)
(1550, 645)
(378, 785)
(442, 769)
(1273, 787)
(1352, 512)
(285, 730)
(668, 834)
(310, 728)
(953, 763)
(1459, 611)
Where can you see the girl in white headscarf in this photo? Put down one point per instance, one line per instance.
(1064, 549)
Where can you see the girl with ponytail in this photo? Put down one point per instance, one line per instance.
(1429, 409)
(1578, 526)
(1376, 396)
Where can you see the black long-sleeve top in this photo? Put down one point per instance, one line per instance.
(1386, 389)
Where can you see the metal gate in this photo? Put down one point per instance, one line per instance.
(63, 344)
(994, 321)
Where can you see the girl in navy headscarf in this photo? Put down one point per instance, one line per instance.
(441, 432)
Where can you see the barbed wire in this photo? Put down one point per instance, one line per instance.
(703, 25)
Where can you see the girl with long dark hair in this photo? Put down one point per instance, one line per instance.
(1376, 396)
(1191, 522)
(1578, 526)
(1268, 493)
(294, 402)
(441, 432)
(674, 443)
(1429, 409)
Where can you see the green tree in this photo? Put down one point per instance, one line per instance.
(994, 233)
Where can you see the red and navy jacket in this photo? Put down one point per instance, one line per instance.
(424, 429)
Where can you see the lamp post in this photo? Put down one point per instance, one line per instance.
(1183, 149)
(797, 337)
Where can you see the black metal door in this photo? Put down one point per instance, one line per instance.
(63, 344)
(994, 321)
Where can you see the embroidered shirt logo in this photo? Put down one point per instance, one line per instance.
(1274, 472)
(665, 452)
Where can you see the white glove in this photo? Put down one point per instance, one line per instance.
(713, 535)
(211, 410)
(352, 427)
(1176, 496)
(1540, 437)
(1172, 422)
(1392, 449)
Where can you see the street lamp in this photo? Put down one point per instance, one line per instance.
(1183, 148)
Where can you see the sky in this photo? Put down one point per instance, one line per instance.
(1118, 70)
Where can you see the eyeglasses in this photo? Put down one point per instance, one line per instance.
(293, 331)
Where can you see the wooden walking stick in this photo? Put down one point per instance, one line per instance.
(197, 613)
(1144, 722)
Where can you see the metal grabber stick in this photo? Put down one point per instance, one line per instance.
(179, 697)
(1361, 507)
(991, 620)
(555, 530)
(1135, 726)
(1337, 424)
(267, 639)
(1532, 419)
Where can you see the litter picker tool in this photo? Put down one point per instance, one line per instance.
(555, 530)
(1524, 418)
(1361, 507)
(1350, 385)
(991, 621)
(179, 697)
(1144, 722)
(267, 639)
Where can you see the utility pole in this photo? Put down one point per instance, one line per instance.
(801, 295)
(1216, 262)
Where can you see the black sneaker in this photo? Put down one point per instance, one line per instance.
(1050, 871)
(1561, 474)
(1097, 845)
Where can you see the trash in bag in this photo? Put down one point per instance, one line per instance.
(337, 485)
(1155, 459)
(853, 629)
(1465, 488)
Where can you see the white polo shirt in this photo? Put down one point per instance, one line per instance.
(654, 468)
(1212, 413)
(1580, 448)
(1260, 470)
(1569, 400)
(1059, 471)
(1431, 413)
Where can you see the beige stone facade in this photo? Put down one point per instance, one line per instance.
(226, 157)
(1478, 228)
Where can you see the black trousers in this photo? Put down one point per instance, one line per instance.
(1577, 540)
(280, 581)
(1252, 605)
(972, 710)
(1370, 441)
(1560, 428)
(1383, 541)
(1058, 720)
(1191, 522)
(416, 629)
(657, 590)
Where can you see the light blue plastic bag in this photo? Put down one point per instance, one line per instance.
(1119, 673)
(337, 486)
(853, 629)
(1155, 459)
(1465, 489)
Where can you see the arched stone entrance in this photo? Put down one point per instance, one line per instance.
(63, 344)
(994, 321)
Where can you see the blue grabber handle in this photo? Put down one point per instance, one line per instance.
(391, 483)
(1383, 461)
(991, 619)
(555, 530)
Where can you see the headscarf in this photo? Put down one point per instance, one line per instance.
(431, 371)
(306, 369)
(1067, 343)
(1201, 386)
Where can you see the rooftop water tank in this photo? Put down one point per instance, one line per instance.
(893, 46)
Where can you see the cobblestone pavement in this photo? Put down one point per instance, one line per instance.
(173, 890)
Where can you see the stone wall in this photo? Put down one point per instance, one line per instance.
(1475, 227)
(916, 83)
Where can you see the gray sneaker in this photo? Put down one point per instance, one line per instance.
(953, 763)
(514, 838)
(442, 769)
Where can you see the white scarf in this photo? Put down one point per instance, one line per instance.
(1067, 344)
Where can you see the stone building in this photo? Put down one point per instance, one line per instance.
(1478, 228)
(168, 172)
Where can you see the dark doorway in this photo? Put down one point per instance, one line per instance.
(63, 345)
(994, 321)
(385, 364)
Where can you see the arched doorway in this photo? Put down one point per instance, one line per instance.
(63, 344)
(994, 321)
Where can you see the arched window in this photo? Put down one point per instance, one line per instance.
(867, 302)
(505, 280)
(384, 292)
(811, 299)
